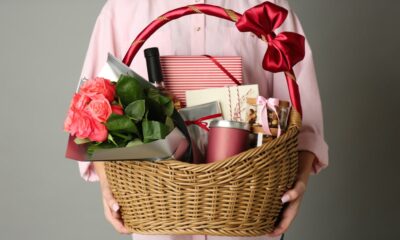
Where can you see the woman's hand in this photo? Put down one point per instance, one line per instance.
(294, 196)
(111, 208)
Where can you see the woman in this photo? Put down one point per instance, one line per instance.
(120, 21)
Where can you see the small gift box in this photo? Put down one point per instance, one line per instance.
(272, 117)
(197, 119)
(183, 73)
(233, 100)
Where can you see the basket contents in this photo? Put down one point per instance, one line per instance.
(142, 114)
(197, 119)
(241, 108)
(227, 138)
(216, 138)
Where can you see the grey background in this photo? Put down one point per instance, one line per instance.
(356, 48)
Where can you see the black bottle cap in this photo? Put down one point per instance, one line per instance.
(151, 52)
(153, 65)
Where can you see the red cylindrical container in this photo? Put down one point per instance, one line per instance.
(227, 138)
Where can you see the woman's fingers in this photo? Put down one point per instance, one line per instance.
(294, 193)
(110, 205)
(110, 201)
(293, 196)
(287, 218)
(116, 222)
(111, 211)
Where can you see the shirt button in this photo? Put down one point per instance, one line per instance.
(198, 29)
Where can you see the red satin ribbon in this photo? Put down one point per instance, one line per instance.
(285, 49)
(200, 122)
(294, 91)
(219, 65)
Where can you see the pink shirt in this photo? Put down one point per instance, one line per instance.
(120, 21)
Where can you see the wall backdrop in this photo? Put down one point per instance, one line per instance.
(356, 48)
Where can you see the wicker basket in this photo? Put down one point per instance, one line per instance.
(238, 196)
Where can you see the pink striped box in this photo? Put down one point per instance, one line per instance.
(183, 73)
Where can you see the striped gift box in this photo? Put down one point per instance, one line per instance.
(182, 73)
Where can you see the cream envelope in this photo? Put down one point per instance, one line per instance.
(233, 99)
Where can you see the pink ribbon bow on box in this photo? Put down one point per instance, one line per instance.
(262, 111)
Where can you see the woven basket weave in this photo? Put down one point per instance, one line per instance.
(238, 196)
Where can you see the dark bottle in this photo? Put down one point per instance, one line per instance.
(155, 74)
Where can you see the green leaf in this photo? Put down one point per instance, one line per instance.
(95, 146)
(156, 110)
(169, 122)
(153, 130)
(168, 104)
(136, 110)
(81, 140)
(134, 142)
(153, 94)
(121, 123)
(164, 100)
(129, 90)
(169, 108)
(111, 139)
(91, 149)
(161, 105)
(124, 137)
(146, 115)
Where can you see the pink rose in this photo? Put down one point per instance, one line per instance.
(96, 86)
(68, 121)
(84, 115)
(79, 124)
(99, 108)
(82, 125)
(99, 132)
(78, 104)
(117, 109)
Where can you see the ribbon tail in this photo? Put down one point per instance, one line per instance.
(263, 114)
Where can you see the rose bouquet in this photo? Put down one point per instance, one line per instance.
(105, 114)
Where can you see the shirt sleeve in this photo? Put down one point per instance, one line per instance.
(311, 136)
(103, 41)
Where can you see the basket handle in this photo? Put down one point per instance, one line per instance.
(266, 8)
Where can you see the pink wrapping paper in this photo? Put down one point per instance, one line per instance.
(182, 73)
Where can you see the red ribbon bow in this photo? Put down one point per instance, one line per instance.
(285, 49)
(200, 122)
